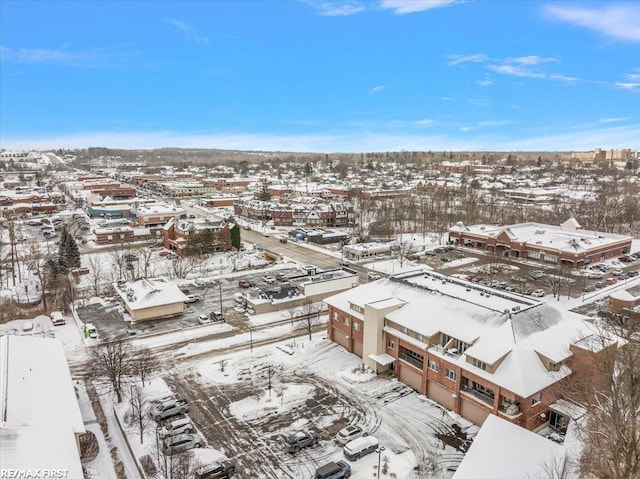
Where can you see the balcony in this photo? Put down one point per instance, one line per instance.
(509, 410)
(485, 398)
(413, 361)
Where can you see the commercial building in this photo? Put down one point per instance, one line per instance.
(565, 245)
(474, 350)
(178, 233)
(146, 299)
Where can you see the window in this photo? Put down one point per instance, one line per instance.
(411, 357)
(533, 255)
(536, 399)
(549, 258)
(450, 373)
(356, 308)
(335, 316)
(345, 321)
(391, 344)
(460, 346)
(404, 330)
(479, 364)
(356, 326)
(422, 338)
(433, 365)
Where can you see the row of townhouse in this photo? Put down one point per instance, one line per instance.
(329, 214)
(565, 245)
(472, 349)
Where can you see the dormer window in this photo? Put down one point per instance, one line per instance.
(479, 364)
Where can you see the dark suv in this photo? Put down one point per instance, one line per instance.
(216, 470)
(301, 439)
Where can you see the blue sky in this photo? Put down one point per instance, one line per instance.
(320, 75)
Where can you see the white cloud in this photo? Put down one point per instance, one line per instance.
(631, 86)
(484, 82)
(376, 89)
(188, 32)
(424, 122)
(338, 9)
(94, 58)
(613, 120)
(621, 21)
(401, 7)
(530, 60)
(480, 102)
(355, 141)
(474, 58)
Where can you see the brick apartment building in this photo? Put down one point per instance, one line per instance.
(318, 215)
(177, 233)
(472, 349)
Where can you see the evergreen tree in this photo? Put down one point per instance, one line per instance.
(68, 253)
(236, 240)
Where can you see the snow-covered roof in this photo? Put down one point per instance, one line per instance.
(40, 412)
(149, 292)
(566, 237)
(494, 325)
(502, 450)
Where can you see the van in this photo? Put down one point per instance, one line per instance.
(178, 426)
(90, 330)
(192, 298)
(360, 447)
(371, 276)
(57, 318)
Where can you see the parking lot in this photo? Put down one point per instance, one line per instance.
(109, 320)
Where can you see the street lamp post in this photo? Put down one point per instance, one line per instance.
(379, 451)
(251, 338)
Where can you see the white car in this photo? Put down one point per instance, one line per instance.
(595, 274)
(379, 256)
(617, 272)
(181, 443)
(538, 293)
(269, 279)
(348, 434)
(204, 319)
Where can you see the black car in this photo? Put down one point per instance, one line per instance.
(444, 259)
(600, 285)
(589, 288)
(632, 274)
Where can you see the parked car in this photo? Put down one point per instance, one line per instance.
(360, 447)
(371, 276)
(348, 434)
(192, 298)
(281, 277)
(216, 316)
(333, 470)
(91, 331)
(243, 283)
(429, 253)
(511, 288)
(595, 274)
(216, 470)
(181, 443)
(168, 409)
(27, 326)
(57, 318)
(201, 283)
(379, 256)
(269, 279)
(282, 239)
(589, 288)
(538, 293)
(444, 259)
(616, 272)
(632, 274)
(600, 284)
(204, 319)
(461, 255)
(301, 439)
(610, 281)
(175, 427)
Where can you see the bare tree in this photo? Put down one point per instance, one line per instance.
(400, 250)
(607, 384)
(36, 261)
(292, 312)
(146, 255)
(139, 410)
(176, 465)
(181, 267)
(144, 363)
(112, 361)
(96, 271)
(310, 315)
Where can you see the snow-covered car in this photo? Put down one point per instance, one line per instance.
(538, 293)
(178, 426)
(379, 256)
(204, 319)
(181, 443)
(269, 279)
(360, 447)
(617, 272)
(216, 470)
(349, 433)
(333, 470)
(595, 274)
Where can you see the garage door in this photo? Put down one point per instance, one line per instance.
(440, 395)
(410, 377)
(473, 412)
(357, 347)
(341, 338)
